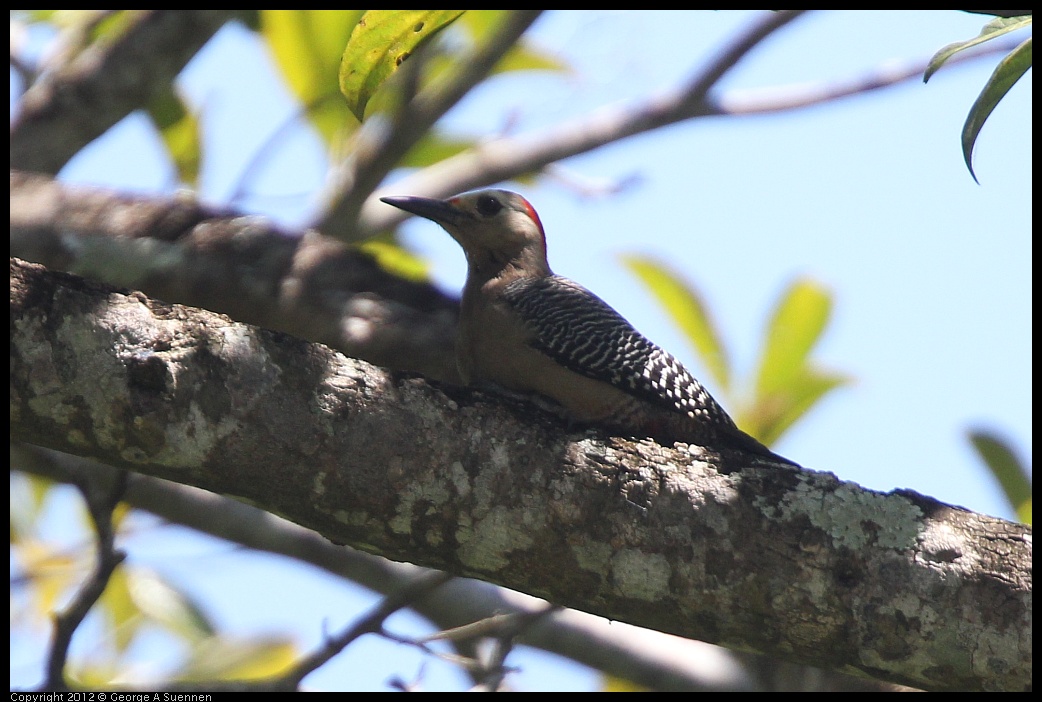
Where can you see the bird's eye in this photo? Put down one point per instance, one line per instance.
(488, 205)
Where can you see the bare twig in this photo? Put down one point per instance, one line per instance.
(504, 158)
(499, 632)
(496, 626)
(501, 159)
(100, 500)
(692, 99)
(794, 97)
(371, 623)
(268, 148)
(1001, 13)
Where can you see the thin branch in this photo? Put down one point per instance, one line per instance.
(1001, 13)
(100, 501)
(371, 623)
(496, 626)
(693, 98)
(499, 632)
(793, 97)
(417, 117)
(501, 159)
(26, 73)
(270, 146)
(584, 135)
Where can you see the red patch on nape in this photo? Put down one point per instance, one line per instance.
(533, 215)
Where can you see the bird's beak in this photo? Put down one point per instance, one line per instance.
(440, 211)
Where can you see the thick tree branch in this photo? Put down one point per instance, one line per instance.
(179, 251)
(314, 288)
(75, 103)
(643, 656)
(792, 563)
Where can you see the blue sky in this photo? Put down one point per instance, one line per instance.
(868, 196)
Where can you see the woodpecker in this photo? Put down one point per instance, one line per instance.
(526, 329)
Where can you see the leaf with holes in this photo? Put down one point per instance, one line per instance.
(381, 41)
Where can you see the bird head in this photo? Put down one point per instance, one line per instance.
(496, 228)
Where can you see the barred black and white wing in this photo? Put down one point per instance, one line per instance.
(583, 333)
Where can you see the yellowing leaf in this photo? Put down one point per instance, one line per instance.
(221, 658)
(381, 41)
(163, 603)
(393, 258)
(119, 609)
(49, 574)
(612, 683)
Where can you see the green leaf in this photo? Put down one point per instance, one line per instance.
(770, 416)
(307, 46)
(992, 30)
(797, 324)
(381, 41)
(787, 384)
(687, 308)
(1012, 475)
(1006, 74)
(179, 129)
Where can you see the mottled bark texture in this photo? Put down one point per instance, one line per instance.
(794, 563)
